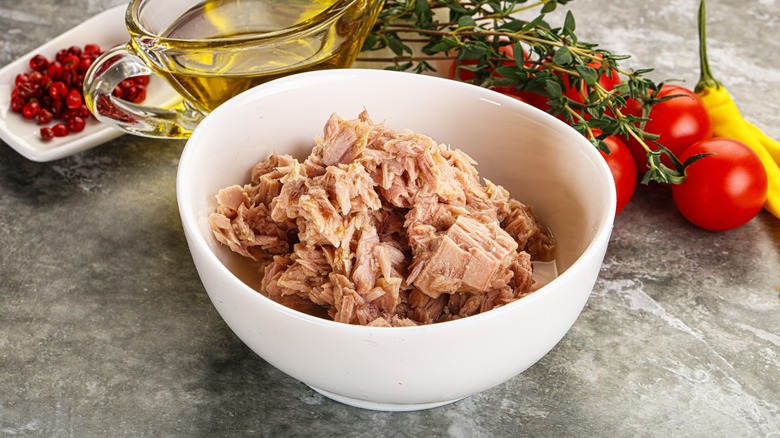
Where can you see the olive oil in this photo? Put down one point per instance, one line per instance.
(221, 48)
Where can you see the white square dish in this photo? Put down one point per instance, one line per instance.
(106, 29)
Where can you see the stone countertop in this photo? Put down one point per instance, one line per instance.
(105, 329)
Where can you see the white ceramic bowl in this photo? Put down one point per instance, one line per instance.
(539, 159)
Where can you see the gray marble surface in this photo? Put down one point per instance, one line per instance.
(105, 329)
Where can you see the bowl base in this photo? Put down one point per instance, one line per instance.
(379, 406)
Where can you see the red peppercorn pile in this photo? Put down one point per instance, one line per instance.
(52, 91)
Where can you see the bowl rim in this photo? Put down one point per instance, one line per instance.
(191, 227)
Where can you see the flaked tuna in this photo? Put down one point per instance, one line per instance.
(382, 228)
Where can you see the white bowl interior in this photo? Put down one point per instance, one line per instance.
(539, 159)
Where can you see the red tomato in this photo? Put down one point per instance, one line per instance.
(679, 122)
(633, 107)
(621, 164)
(724, 190)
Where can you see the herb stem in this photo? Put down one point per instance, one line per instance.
(485, 39)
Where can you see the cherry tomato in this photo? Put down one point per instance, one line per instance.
(724, 190)
(621, 164)
(633, 107)
(679, 122)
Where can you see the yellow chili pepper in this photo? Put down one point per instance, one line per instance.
(727, 121)
(772, 146)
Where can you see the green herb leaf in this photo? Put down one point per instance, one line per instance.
(589, 75)
(554, 89)
(444, 45)
(423, 12)
(466, 21)
(562, 56)
(568, 24)
(533, 24)
(397, 46)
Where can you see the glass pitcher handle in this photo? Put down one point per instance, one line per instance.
(104, 76)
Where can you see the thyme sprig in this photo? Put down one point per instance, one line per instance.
(546, 60)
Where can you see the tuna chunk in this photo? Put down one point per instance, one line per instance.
(245, 228)
(531, 235)
(471, 256)
(265, 178)
(327, 208)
